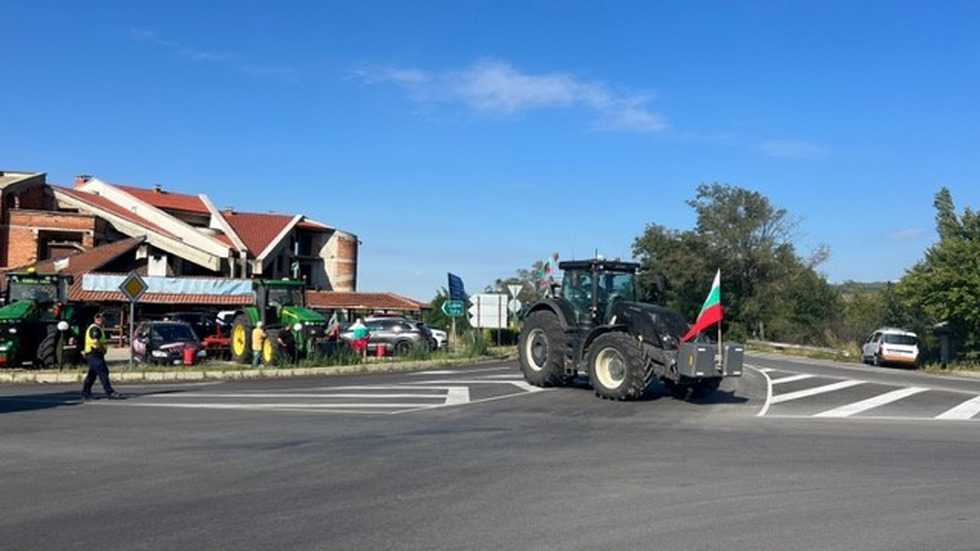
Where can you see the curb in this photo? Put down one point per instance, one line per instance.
(120, 373)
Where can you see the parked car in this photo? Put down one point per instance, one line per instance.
(891, 346)
(398, 334)
(167, 342)
(440, 336)
(203, 323)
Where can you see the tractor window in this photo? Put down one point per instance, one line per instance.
(40, 292)
(286, 296)
(576, 287)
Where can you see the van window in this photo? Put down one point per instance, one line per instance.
(907, 340)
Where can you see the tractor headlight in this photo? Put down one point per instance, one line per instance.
(12, 330)
(4, 348)
(62, 325)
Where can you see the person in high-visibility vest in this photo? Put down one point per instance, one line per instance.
(95, 356)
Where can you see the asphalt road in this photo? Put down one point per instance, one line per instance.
(795, 455)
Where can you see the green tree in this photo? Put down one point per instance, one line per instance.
(768, 291)
(945, 284)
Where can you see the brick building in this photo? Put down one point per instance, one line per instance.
(181, 234)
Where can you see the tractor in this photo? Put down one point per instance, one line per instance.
(595, 324)
(278, 303)
(36, 323)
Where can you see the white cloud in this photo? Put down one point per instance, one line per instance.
(907, 234)
(794, 149)
(493, 86)
(229, 61)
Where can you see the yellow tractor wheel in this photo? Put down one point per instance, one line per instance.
(241, 338)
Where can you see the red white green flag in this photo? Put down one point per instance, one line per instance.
(710, 312)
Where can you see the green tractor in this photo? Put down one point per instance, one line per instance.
(595, 324)
(36, 323)
(278, 303)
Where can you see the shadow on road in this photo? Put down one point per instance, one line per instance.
(48, 400)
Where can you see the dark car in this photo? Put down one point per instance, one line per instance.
(203, 323)
(399, 335)
(167, 342)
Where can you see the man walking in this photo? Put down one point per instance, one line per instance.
(95, 356)
(287, 342)
(258, 343)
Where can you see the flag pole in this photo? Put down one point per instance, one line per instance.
(720, 348)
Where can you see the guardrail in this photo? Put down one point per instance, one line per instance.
(802, 348)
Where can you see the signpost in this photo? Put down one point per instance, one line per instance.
(133, 287)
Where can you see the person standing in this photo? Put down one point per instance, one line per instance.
(360, 337)
(95, 357)
(258, 343)
(287, 342)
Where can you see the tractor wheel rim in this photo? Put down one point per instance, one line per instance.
(536, 350)
(239, 340)
(610, 368)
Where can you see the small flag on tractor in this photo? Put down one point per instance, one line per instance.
(710, 312)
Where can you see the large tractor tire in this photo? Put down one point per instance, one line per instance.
(542, 350)
(617, 369)
(241, 339)
(47, 351)
(271, 353)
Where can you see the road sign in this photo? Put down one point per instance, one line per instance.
(489, 311)
(456, 290)
(133, 287)
(453, 308)
(514, 305)
(514, 290)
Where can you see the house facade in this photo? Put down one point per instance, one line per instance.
(179, 234)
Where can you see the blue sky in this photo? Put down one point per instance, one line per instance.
(480, 136)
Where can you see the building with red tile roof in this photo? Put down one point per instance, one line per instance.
(184, 234)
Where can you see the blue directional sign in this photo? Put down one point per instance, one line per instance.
(456, 291)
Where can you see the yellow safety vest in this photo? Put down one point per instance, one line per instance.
(94, 344)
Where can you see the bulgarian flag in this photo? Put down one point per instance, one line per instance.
(710, 312)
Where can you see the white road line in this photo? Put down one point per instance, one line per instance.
(870, 403)
(458, 371)
(458, 395)
(765, 407)
(780, 398)
(518, 383)
(279, 405)
(326, 395)
(964, 411)
(765, 369)
(792, 378)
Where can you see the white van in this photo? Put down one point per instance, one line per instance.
(891, 346)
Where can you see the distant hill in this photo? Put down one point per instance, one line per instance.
(853, 288)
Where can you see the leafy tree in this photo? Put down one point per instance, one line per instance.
(768, 291)
(945, 285)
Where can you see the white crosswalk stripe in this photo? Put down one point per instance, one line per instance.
(964, 411)
(781, 398)
(871, 403)
(792, 378)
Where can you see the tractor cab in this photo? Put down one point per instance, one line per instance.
(31, 331)
(593, 286)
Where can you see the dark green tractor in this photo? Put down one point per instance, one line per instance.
(595, 324)
(36, 323)
(278, 303)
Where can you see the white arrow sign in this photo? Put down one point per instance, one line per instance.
(489, 311)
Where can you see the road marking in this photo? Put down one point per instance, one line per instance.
(792, 378)
(458, 371)
(302, 395)
(519, 383)
(966, 410)
(871, 403)
(780, 398)
(765, 374)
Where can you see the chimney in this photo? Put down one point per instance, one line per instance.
(82, 179)
(157, 188)
(230, 209)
